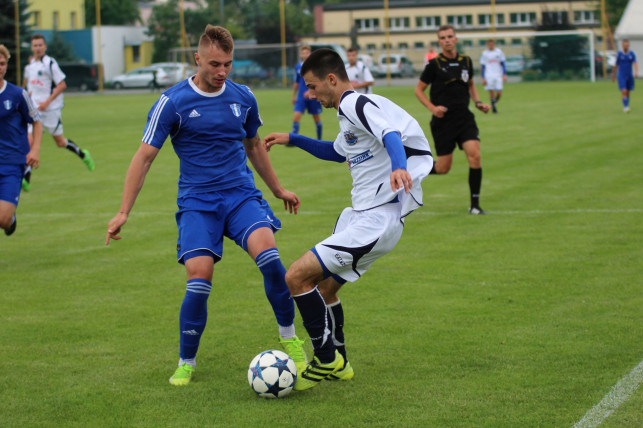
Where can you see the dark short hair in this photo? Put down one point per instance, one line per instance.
(446, 27)
(38, 36)
(324, 61)
(352, 49)
(219, 36)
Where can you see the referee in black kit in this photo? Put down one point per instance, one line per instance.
(451, 78)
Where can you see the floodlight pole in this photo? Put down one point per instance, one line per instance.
(100, 47)
(493, 16)
(17, 27)
(282, 18)
(604, 32)
(386, 40)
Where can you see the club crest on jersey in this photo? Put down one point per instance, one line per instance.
(236, 109)
(7, 104)
(357, 159)
(350, 138)
(465, 75)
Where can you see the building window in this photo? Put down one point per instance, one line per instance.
(367, 24)
(403, 46)
(427, 22)
(55, 20)
(482, 42)
(418, 46)
(500, 42)
(72, 20)
(460, 21)
(399, 23)
(136, 53)
(387, 46)
(36, 18)
(584, 17)
(467, 43)
(523, 19)
(516, 42)
(371, 47)
(484, 19)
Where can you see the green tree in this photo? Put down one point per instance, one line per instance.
(112, 12)
(8, 36)
(60, 49)
(614, 10)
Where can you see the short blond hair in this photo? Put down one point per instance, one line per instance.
(219, 36)
(5, 52)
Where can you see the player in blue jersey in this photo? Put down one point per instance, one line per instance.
(213, 123)
(16, 111)
(625, 61)
(300, 98)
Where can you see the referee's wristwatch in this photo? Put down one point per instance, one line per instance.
(477, 103)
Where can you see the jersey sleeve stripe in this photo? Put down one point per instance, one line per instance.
(33, 110)
(154, 120)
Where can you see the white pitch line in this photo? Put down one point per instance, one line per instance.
(619, 394)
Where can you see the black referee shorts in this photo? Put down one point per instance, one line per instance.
(449, 131)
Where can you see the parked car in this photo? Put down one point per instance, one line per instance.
(398, 65)
(141, 78)
(334, 46)
(81, 76)
(177, 71)
(367, 60)
(246, 70)
(514, 64)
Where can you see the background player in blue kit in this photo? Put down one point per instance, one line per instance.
(388, 157)
(16, 111)
(300, 98)
(213, 125)
(625, 61)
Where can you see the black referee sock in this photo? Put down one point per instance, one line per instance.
(475, 182)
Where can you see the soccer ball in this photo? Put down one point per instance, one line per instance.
(272, 374)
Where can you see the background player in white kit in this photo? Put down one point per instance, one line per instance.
(493, 71)
(45, 84)
(358, 73)
(388, 156)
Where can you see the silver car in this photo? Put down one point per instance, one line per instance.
(141, 78)
(397, 64)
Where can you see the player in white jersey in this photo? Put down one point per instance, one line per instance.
(388, 156)
(493, 71)
(45, 84)
(358, 73)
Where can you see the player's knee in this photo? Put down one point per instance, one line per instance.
(442, 167)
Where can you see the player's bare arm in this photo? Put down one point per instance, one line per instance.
(275, 138)
(261, 163)
(437, 111)
(138, 168)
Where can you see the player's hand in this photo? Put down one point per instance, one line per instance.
(291, 200)
(33, 159)
(504, 78)
(275, 138)
(483, 107)
(43, 106)
(484, 82)
(439, 111)
(400, 178)
(114, 227)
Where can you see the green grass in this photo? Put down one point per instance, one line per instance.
(525, 317)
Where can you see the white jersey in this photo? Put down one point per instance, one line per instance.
(492, 60)
(364, 120)
(360, 73)
(44, 75)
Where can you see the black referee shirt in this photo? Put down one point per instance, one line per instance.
(449, 82)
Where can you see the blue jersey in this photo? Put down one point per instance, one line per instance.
(300, 80)
(207, 132)
(624, 62)
(16, 111)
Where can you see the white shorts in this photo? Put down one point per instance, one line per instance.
(51, 121)
(360, 238)
(494, 83)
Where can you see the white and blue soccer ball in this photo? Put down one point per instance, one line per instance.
(272, 374)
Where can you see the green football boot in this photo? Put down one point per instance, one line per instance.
(316, 371)
(346, 373)
(295, 349)
(87, 159)
(183, 375)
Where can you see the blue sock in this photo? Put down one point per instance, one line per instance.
(274, 282)
(336, 318)
(194, 314)
(626, 102)
(318, 127)
(295, 128)
(314, 315)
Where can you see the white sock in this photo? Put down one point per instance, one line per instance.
(191, 362)
(287, 332)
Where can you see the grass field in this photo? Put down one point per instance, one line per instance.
(526, 317)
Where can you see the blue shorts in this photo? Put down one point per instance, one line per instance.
(10, 182)
(205, 218)
(302, 104)
(626, 82)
